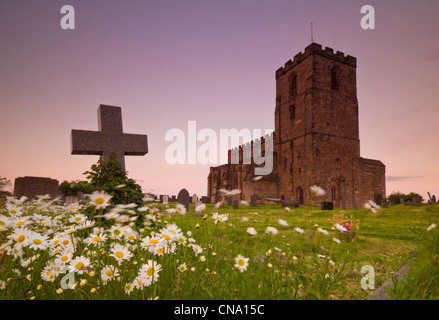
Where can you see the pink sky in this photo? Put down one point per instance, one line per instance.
(169, 62)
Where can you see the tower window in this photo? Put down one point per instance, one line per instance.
(293, 85)
(333, 194)
(335, 77)
(337, 164)
(293, 114)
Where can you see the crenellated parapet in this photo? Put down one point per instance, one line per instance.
(315, 48)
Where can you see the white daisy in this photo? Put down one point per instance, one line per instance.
(100, 199)
(241, 263)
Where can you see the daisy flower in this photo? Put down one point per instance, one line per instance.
(317, 191)
(64, 257)
(322, 231)
(149, 241)
(251, 231)
(220, 217)
(283, 222)
(111, 215)
(197, 249)
(4, 222)
(120, 253)
(298, 230)
(100, 199)
(109, 273)
(182, 267)
(200, 207)
(241, 263)
(431, 227)
(128, 288)
(38, 241)
(13, 210)
(181, 209)
(271, 230)
(21, 236)
(96, 239)
(79, 264)
(218, 204)
(88, 224)
(150, 271)
(336, 240)
(77, 218)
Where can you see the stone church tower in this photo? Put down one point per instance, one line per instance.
(316, 139)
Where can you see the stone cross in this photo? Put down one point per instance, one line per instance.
(110, 138)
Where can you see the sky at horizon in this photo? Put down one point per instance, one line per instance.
(169, 62)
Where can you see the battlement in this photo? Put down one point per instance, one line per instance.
(249, 145)
(315, 48)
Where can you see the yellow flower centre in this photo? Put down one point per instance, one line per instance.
(97, 239)
(241, 262)
(21, 238)
(20, 223)
(2, 223)
(37, 241)
(167, 237)
(65, 242)
(55, 242)
(79, 265)
(160, 250)
(109, 273)
(119, 254)
(219, 218)
(99, 200)
(78, 218)
(116, 232)
(153, 241)
(64, 258)
(13, 211)
(150, 272)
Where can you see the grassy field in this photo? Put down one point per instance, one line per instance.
(301, 258)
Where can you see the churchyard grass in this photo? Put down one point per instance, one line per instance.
(297, 257)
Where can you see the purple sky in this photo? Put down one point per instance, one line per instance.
(168, 62)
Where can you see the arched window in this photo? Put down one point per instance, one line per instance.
(293, 84)
(333, 194)
(337, 164)
(335, 77)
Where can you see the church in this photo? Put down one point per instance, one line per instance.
(316, 138)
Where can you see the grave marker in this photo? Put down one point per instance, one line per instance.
(229, 201)
(109, 138)
(165, 199)
(35, 186)
(236, 204)
(253, 200)
(354, 199)
(183, 198)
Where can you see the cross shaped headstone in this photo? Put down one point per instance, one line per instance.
(110, 138)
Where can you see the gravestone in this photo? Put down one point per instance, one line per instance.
(282, 202)
(401, 200)
(194, 198)
(35, 186)
(173, 199)
(415, 200)
(229, 201)
(165, 199)
(253, 200)
(343, 199)
(354, 199)
(110, 138)
(385, 203)
(433, 199)
(392, 200)
(183, 198)
(327, 205)
(204, 199)
(236, 204)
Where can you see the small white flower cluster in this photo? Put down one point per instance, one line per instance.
(317, 191)
(372, 206)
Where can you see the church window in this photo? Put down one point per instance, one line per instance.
(335, 77)
(293, 114)
(293, 85)
(337, 164)
(333, 194)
